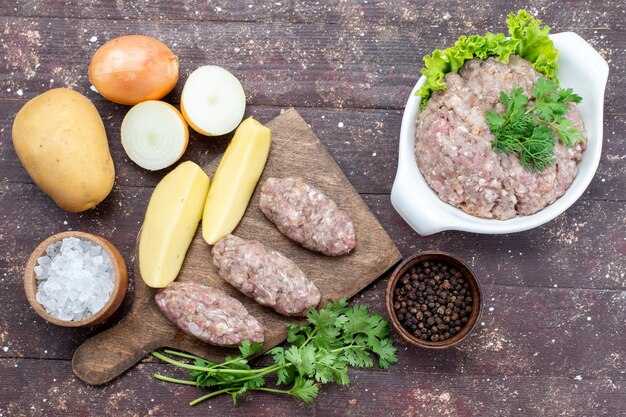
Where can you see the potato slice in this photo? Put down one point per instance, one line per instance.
(235, 179)
(213, 101)
(171, 221)
(154, 134)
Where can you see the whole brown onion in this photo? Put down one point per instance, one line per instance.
(133, 68)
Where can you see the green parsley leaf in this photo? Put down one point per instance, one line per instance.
(531, 126)
(302, 358)
(278, 353)
(341, 375)
(357, 320)
(567, 132)
(297, 334)
(248, 349)
(358, 357)
(304, 389)
(337, 336)
(378, 326)
(387, 354)
(324, 366)
(237, 392)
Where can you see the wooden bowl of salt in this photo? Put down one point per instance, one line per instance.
(108, 264)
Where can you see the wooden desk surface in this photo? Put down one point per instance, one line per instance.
(552, 340)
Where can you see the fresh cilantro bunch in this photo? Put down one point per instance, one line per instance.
(532, 130)
(336, 337)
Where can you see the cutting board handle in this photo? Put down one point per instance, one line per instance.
(110, 353)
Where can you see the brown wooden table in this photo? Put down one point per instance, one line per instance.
(552, 340)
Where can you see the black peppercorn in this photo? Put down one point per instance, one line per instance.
(432, 301)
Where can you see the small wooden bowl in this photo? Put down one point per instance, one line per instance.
(117, 295)
(467, 274)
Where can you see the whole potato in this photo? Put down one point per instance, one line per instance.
(60, 139)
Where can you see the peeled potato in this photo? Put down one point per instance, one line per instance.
(154, 134)
(235, 178)
(133, 68)
(171, 221)
(213, 101)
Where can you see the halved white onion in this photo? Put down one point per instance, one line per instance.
(213, 101)
(154, 134)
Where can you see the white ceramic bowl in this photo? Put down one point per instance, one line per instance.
(580, 67)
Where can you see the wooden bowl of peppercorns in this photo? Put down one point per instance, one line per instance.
(433, 300)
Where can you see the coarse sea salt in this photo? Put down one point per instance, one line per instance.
(75, 279)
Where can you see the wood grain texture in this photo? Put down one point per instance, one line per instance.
(349, 64)
(279, 64)
(295, 151)
(409, 390)
(367, 14)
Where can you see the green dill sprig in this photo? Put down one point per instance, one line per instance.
(321, 352)
(531, 131)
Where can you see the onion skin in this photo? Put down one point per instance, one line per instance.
(133, 68)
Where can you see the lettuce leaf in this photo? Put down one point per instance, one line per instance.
(535, 45)
(527, 39)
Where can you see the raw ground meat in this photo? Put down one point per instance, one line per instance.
(453, 145)
(304, 214)
(209, 314)
(265, 275)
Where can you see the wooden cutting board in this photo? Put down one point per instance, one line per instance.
(295, 151)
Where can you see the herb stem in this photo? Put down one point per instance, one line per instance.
(351, 346)
(183, 354)
(174, 380)
(211, 394)
(257, 373)
(202, 368)
(194, 357)
(279, 391)
(320, 353)
(308, 339)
